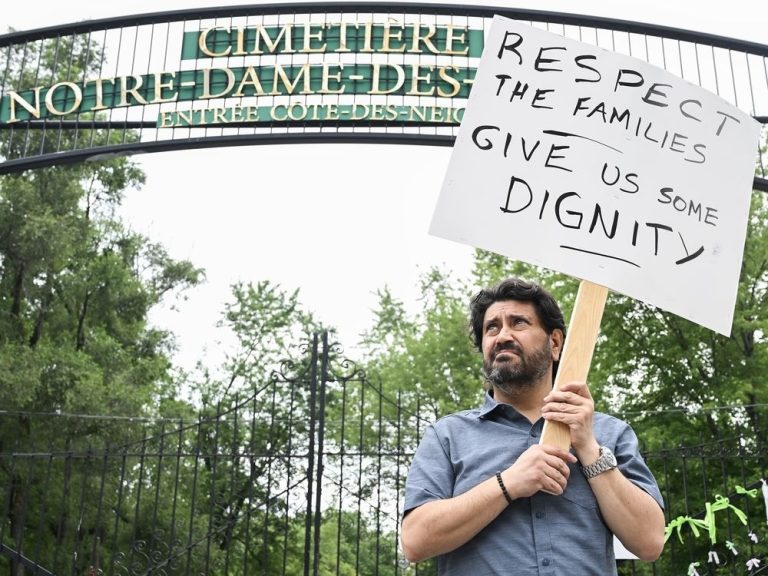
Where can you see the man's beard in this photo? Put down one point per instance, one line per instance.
(513, 376)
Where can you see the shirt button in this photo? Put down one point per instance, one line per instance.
(533, 434)
(545, 562)
(539, 515)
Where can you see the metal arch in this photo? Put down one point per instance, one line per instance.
(404, 7)
(560, 18)
(76, 156)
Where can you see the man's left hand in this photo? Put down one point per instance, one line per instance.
(573, 406)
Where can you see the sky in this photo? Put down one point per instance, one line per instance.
(336, 221)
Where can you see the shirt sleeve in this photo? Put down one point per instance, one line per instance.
(430, 475)
(633, 466)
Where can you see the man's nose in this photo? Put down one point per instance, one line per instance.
(505, 335)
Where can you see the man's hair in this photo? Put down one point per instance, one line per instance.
(546, 307)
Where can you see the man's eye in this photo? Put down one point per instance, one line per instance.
(491, 328)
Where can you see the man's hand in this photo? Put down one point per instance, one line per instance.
(540, 468)
(573, 406)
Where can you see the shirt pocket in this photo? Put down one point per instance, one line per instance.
(578, 490)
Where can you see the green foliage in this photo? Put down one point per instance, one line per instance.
(430, 358)
(271, 330)
(649, 359)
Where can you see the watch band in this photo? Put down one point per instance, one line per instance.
(605, 461)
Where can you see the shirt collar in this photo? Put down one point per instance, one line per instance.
(489, 405)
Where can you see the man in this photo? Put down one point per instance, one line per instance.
(486, 498)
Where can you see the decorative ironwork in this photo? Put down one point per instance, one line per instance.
(257, 485)
(378, 72)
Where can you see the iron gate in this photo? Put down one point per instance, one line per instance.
(303, 476)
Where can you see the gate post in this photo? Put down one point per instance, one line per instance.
(311, 454)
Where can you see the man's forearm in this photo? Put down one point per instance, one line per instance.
(440, 526)
(631, 514)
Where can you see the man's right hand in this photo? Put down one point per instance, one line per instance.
(540, 468)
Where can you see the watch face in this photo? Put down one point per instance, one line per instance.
(609, 456)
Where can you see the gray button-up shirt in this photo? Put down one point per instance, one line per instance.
(541, 535)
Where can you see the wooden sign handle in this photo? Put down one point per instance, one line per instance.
(576, 356)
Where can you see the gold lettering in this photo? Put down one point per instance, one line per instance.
(273, 113)
(332, 112)
(280, 75)
(343, 36)
(240, 42)
(250, 78)
(15, 98)
(160, 85)
(418, 112)
(442, 73)
(327, 76)
(202, 42)
(245, 113)
(125, 90)
(416, 78)
(427, 40)
(362, 115)
(166, 120)
(219, 115)
(99, 82)
(251, 114)
(50, 101)
(376, 79)
(207, 73)
(436, 114)
(285, 33)
(367, 37)
(450, 38)
(309, 36)
(302, 113)
(185, 116)
(390, 35)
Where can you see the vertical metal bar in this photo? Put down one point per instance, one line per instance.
(79, 529)
(158, 483)
(251, 456)
(84, 77)
(22, 508)
(62, 520)
(270, 458)
(289, 473)
(193, 499)
(398, 481)
(310, 454)
(95, 560)
(361, 456)
(342, 458)
(233, 507)
(118, 504)
(320, 447)
(212, 470)
(43, 508)
(99, 74)
(138, 487)
(380, 441)
(176, 482)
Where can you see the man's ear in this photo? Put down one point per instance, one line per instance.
(557, 340)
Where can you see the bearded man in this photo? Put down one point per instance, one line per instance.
(485, 497)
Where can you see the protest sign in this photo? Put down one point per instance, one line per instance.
(605, 168)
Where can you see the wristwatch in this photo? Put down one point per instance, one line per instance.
(606, 461)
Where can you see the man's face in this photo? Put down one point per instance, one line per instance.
(517, 351)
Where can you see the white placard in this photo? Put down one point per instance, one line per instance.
(603, 167)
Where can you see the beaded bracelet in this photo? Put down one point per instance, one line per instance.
(507, 497)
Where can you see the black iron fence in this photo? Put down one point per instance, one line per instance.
(302, 476)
